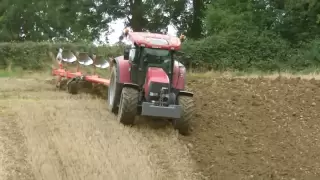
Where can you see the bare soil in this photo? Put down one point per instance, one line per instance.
(254, 128)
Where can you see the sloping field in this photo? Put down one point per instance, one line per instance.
(243, 129)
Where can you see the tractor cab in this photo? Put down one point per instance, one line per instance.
(145, 50)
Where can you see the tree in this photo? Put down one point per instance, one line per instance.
(188, 17)
(151, 15)
(36, 20)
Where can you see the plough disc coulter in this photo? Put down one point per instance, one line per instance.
(146, 80)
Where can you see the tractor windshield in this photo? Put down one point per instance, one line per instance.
(156, 56)
(157, 52)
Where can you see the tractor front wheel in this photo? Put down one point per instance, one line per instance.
(128, 105)
(183, 123)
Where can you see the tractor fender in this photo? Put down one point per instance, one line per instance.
(131, 85)
(185, 93)
(123, 69)
(179, 75)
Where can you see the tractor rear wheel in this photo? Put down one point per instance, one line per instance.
(128, 105)
(183, 123)
(114, 91)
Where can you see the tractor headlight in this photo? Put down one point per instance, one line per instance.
(153, 94)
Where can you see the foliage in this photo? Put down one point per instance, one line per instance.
(262, 35)
(39, 20)
(32, 55)
(222, 34)
(139, 15)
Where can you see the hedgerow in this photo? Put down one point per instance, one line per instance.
(226, 51)
(243, 51)
(36, 55)
(246, 36)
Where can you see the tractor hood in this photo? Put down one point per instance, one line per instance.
(155, 77)
(156, 74)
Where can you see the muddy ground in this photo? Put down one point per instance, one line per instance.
(243, 129)
(256, 128)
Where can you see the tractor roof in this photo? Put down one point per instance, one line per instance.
(154, 40)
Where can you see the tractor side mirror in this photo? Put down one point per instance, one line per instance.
(121, 38)
(126, 53)
(182, 38)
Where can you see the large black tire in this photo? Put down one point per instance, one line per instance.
(73, 87)
(114, 91)
(128, 105)
(188, 108)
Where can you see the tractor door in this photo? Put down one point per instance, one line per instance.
(134, 61)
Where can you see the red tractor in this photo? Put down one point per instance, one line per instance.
(147, 81)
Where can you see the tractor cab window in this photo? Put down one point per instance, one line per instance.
(132, 54)
(156, 56)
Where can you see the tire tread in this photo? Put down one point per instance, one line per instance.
(128, 109)
(188, 109)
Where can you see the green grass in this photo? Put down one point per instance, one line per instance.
(11, 73)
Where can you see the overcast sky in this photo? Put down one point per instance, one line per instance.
(118, 26)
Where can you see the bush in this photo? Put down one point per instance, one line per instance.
(243, 36)
(250, 50)
(233, 50)
(34, 55)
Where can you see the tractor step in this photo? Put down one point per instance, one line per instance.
(171, 111)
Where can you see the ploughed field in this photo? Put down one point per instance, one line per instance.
(244, 128)
(256, 128)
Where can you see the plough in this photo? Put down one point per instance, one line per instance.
(145, 81)
(73, 79)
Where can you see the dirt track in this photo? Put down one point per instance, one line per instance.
(245, 129)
